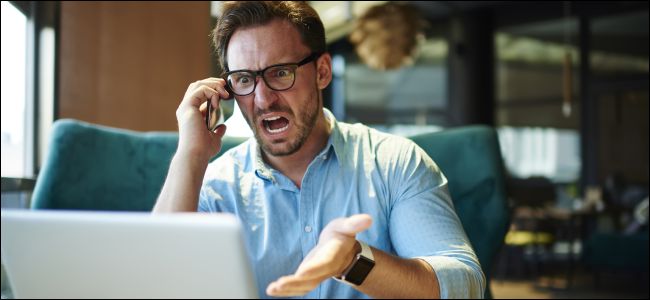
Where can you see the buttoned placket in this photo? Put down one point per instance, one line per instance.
(306, 198)
(307, 203)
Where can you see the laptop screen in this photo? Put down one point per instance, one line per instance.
(81, 254)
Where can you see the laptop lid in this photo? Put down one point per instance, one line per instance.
(77, 254)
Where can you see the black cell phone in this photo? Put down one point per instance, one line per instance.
(215, 117)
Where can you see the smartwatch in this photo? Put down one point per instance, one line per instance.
(361, 266)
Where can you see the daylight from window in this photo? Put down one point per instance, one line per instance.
(13, 90)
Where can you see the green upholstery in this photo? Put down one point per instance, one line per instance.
(100, 168)
(617, 251)
(470, 158)
(92, 167)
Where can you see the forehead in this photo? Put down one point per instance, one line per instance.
(263, 45)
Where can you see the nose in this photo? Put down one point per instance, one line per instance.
(264, 96)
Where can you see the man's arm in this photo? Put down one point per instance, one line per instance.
(180, 193)
(392, 277)
(395, 277)
(196, 145)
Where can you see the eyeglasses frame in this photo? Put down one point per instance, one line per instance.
(313, 56)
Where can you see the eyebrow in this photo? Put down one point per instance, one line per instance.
(251, 70)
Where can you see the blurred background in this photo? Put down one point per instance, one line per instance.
(565, 84)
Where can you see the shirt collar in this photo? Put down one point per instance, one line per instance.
(335, 141)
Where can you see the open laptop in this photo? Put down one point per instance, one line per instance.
(76, 254)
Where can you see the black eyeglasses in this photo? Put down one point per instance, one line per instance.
(280, 77)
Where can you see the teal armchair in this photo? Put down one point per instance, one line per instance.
(471, 160)
(94, 167)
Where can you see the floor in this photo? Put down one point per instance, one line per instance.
(610, 286)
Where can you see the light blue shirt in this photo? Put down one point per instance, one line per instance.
(360, 170)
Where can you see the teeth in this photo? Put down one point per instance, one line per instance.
(276, 130)
(272, 118)
(266, 124)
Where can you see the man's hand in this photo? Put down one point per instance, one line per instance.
(194, 137)
(334, 252)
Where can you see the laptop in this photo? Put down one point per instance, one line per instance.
(81, 254)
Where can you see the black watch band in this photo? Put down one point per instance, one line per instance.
(361, 266)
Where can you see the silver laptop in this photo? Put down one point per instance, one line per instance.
(66, 254)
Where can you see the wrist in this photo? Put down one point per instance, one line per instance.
(350, 258)
(191, 156)
(362, 263)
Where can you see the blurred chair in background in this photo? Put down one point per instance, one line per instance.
(529, 241)
(619, 245)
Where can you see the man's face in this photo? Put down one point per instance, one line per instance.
(281, 120)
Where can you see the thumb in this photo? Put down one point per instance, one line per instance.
(355, 224)
(221, 130)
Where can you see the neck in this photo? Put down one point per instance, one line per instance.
(295, 165)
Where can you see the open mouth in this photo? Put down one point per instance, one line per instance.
(276, 124)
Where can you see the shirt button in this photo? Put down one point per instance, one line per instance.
(307, 229)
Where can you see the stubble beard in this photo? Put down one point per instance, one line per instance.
(307, 121)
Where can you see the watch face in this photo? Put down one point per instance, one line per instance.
(360, 270)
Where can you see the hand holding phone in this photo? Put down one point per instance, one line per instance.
(215, 118)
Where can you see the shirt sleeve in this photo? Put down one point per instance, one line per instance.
(204, 203)
(212, 189)
(424, 225)
(207, 197)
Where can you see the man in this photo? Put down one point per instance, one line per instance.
(319, 199)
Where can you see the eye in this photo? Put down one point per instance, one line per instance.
(282, 73)
(242, 78)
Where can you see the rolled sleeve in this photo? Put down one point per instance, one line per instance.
(457, 280)
(425, 225)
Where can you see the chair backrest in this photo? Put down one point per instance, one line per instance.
(471, 160)
(93, 167)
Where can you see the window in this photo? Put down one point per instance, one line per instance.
(620, 93)
(541, 151)
(536, 138)
(14, 116)
(28, 53)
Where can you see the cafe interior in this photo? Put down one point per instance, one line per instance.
(537, 113)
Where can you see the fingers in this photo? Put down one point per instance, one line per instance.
(359, 223)
(210, 90)
(203, 108)
(220, 131)
(312, 271)
(216, 84)
(352, 225)
(202, 90)
(292, 286)
(324, 261)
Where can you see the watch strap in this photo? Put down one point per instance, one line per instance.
(366, 256)
(366, 251)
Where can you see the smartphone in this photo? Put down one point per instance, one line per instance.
(215, 118)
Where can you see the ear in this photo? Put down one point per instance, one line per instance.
(324, 70)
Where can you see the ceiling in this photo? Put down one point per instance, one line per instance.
(617, 26)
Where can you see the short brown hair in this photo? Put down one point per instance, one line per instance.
(238, 14)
